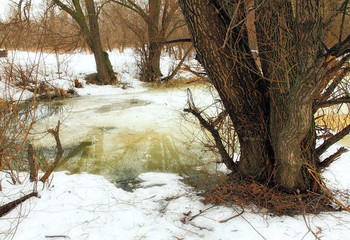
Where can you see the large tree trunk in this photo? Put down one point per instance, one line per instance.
(270, 111)
(242, 91)
(105, 73)
(151, 69)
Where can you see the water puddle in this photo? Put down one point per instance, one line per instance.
(123, 105)
(121, 138)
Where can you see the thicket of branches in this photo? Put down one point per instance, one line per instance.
(20, 93)
(55, 30)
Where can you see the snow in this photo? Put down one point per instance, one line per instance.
(86, 206)
(61, 70)
(13, 93)
(338, 177)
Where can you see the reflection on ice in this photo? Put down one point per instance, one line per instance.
(120, 138)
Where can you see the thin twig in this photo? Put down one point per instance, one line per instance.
(228, 219)
(57, 236)
(200, 212)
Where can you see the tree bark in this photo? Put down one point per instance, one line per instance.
(151, 70)
(290, 60)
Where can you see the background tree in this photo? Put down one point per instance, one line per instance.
(88, 24)
(162, 18)
(272, 99)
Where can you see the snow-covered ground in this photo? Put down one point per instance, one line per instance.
(86, 206)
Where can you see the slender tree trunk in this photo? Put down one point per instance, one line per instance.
(90, 30)
(105, 73)
(151, 70)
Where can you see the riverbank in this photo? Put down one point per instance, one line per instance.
(85, 206)
(161, 205)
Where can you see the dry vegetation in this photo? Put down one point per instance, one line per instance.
(263, 199)
(55, 31)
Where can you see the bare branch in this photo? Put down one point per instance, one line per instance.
(227, 160)
(333, 102)
(330, 141)
(336, 80)
(344, 10)
(64, 7)
(178, 41)
(76, 14)
(55, 133)
(326, 162)
(174, 27)
(340, 49)
(134, 7)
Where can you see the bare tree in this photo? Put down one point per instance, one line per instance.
(88, 24)
(159, 18)
(272, 101)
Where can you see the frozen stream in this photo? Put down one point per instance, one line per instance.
(121, 136)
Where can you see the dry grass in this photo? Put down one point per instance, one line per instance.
(335, 122)
(253, 195)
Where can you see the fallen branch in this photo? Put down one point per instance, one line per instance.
(57, 236)
(11, 205)
(200, 212)
(198, 74)
(172, 75)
